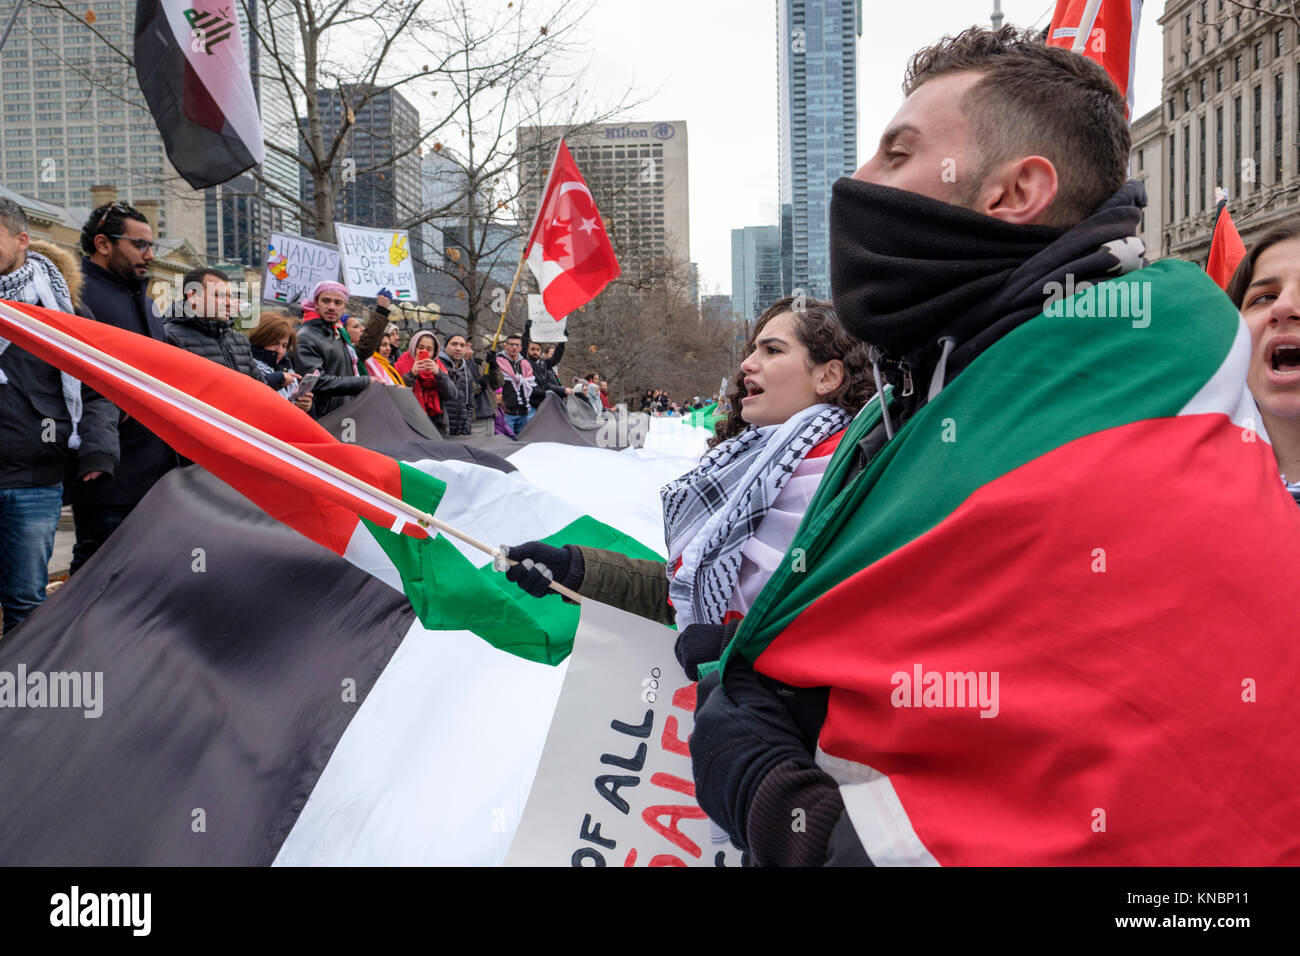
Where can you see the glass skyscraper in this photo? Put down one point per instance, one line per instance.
(818, 114)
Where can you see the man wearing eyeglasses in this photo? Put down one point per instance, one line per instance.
(118, 245)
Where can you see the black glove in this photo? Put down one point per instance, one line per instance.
(540, 564)
(741, 733)
(700, 643)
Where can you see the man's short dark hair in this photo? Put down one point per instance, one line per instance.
(517, 338)
(12, 217)
(195, 277)
(1037, 100)
(108, 220)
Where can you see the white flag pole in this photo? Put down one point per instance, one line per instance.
(1085, 25)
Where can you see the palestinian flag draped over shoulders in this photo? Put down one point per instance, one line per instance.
(1043, 610)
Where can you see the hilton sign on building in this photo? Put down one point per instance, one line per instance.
(637, 173)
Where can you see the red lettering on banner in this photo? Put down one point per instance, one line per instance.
(670, 741)
(666, 859)
(631, 858)
(685, 698)
(671, 781)
(670, 833)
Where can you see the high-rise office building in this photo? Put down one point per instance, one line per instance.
(1230, 117)
(386, 191)
(817, 82)
(637, 173)
(755, 269)
(73, 117)
(242, 213)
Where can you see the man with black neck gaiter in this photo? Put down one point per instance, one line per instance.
(1005, 613)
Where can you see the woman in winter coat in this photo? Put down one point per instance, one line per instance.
(272, 341)
(427, 377)
(729, 522)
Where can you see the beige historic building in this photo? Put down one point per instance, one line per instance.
(1229, 118)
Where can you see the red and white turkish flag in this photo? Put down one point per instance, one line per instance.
(568, 250)
(1109, 32)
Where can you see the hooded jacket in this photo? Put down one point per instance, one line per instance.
(32, 399)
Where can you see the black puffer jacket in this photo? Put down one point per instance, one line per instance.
(216, 340)
(320, 346)
(108, 298)
(460, 406)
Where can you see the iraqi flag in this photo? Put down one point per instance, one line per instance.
(1226, 248)
(1102, 30)
(568, 250)
(369, 508)
(1041, 609)
(189, 59)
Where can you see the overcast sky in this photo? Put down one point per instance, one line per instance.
(713, 63)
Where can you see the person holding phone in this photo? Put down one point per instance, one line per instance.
(427, 377)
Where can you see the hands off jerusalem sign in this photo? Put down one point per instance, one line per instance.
(614, 785)
(375, 259)
(294, 266)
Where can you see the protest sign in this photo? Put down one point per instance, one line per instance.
(545, 328)
(375, 259)
(293, 267)
(614, 785)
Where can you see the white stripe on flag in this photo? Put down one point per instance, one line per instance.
(876, 813)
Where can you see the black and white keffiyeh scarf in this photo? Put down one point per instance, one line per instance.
(710, 512)
(38, 281)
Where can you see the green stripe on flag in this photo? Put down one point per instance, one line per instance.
(449, 593)
(1046, 383)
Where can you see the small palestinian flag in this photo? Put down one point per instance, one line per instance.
(403, 293)
(1041, 609)
(189, 59)
(281, 295)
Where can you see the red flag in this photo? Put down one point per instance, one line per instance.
(1111, 35)
(568, 250)
(1226, 248)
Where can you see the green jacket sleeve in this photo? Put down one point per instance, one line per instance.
(633, 584)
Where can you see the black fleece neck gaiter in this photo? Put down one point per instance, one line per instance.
(907, 270)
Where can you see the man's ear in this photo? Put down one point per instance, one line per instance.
(1020, 192)
(106, 248)
(831, 377)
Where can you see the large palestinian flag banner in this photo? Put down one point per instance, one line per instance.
(194, 74)
(252, 697)
(1056, 612)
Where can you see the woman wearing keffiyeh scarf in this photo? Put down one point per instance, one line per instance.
(729, 522)
(426, 376)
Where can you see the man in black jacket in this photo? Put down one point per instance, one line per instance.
(48, 421)
(321, 346)
(204, 326)
(932, 270)
(118, 243)
(544, 366)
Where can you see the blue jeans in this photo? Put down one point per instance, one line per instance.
(516, 423)
(28, 519)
